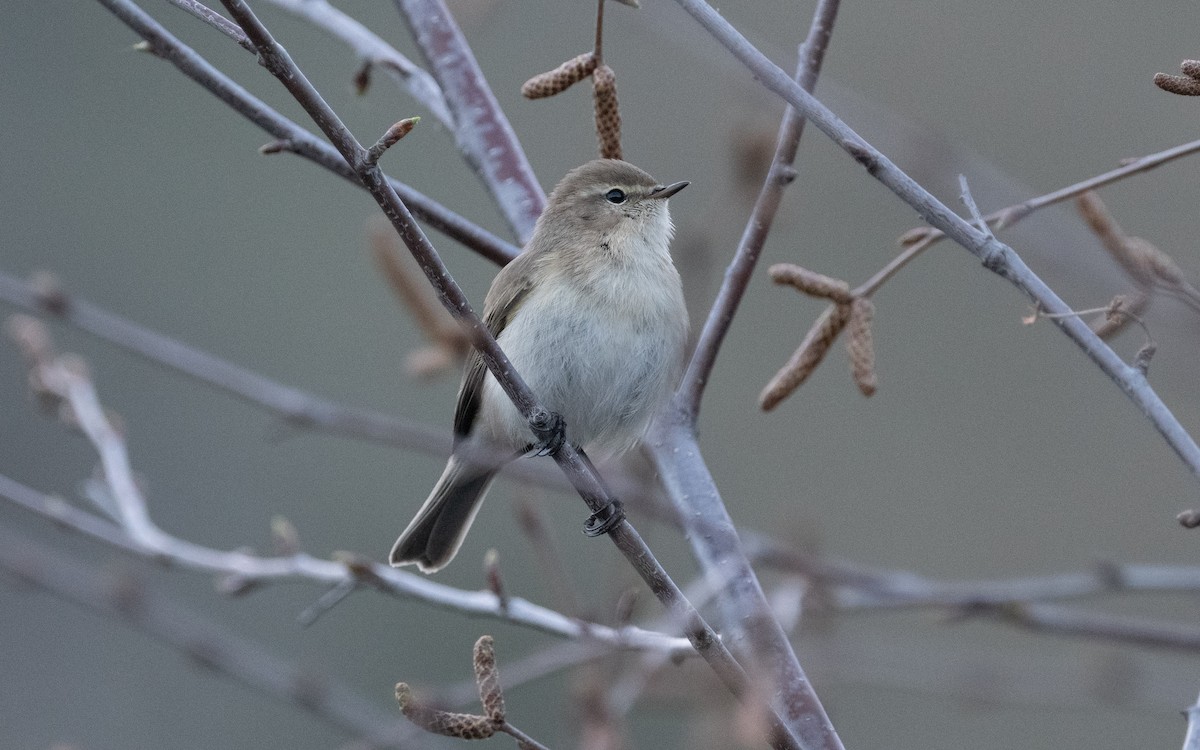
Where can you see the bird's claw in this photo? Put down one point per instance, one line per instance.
(550, 429)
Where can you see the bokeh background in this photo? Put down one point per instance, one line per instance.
(991, 450)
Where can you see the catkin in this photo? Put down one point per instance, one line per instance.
(561, 78)
(608, 115)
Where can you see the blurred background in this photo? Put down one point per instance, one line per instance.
(991, 450)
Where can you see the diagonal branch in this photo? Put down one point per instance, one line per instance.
(484, 135)
(995, 256)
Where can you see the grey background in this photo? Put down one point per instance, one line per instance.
(991, 450)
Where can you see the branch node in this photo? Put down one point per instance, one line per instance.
(862, 154)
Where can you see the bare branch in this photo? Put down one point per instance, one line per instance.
(296, 407)
(247, 567)
(126, 599)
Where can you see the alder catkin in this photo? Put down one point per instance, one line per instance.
(860, 346)
(811, 282)
(445, 723)
(561, 78)
(487, 677)
(608, 115)
(806, 358)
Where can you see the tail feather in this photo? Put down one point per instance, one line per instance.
(435, 534)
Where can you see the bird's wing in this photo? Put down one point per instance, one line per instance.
(496, 315)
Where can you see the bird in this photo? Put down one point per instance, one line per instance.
(592, 316)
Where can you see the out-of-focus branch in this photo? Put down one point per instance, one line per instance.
(853, 587)
(374, 52)
(296, 407)
(922, 238)
(995, 256)
(1191, 740)
(1056, 620)
(295, 139)
(483, 133)
(64, 380)
(126, 599)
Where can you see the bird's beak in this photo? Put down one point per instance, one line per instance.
(662, 193)
(630, 3)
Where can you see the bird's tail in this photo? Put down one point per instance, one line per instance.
(437, 531)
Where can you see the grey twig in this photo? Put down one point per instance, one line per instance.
(969, 201)
(995, 256)
(216, 20)
(483, 134)
(297, 408)
(1057, 620)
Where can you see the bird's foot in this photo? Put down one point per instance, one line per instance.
(604, 520)
(550, 429)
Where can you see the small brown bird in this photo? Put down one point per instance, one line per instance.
(592, 316)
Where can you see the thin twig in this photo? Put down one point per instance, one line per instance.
(1056, 620)
(995, 256)
(483, 134)
(216, 20)
(969, 201)
(855, 587)
(917, 241)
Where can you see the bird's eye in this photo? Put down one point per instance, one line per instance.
(616, 195)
